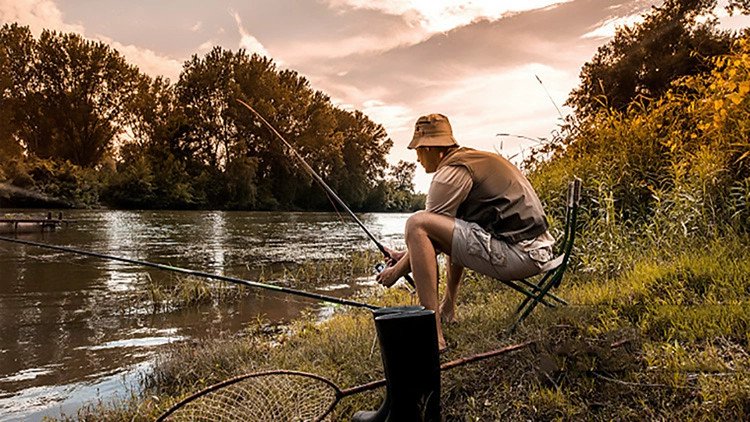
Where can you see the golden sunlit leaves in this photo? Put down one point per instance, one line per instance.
(735, 98)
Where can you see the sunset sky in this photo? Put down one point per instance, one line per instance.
(395, 60)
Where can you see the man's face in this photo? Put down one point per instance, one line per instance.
(429, 158)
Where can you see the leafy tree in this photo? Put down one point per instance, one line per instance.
(16, 57)
(64, 97)
(67, 101)
(82, 95)
(364, 146)
(403, 174)
(346, 149)
(641, 61)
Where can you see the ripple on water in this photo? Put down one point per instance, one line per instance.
(134, 342)
(30, 373)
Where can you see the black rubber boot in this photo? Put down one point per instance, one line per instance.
(411, 362)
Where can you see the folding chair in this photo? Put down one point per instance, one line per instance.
(554, 270)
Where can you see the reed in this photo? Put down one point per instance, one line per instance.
(179, 291)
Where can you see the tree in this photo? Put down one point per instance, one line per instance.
(16, 58)
(69, 95)
(641, 61)
(346, 149)
(403, 174)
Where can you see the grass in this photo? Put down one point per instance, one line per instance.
(666, 338)
(185, 291)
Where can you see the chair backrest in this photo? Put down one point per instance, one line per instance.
(571, 218)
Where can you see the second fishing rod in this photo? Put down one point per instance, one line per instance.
(324, 185)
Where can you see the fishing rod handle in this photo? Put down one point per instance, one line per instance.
(387, 254)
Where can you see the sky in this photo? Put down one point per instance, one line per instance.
(477, 61)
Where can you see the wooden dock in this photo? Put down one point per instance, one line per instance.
(32, 225)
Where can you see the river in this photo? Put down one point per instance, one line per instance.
(73, 328)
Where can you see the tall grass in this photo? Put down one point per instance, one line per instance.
(185, 291)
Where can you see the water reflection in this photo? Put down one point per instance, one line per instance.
(71, 324)
(215, 240)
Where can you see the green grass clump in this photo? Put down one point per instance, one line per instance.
(185, 291)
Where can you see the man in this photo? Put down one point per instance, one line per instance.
(481, 211)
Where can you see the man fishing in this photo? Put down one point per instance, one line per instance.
(481, 212)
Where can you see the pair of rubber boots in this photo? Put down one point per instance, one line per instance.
(411, 362)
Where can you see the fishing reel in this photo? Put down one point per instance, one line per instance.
(379, 267)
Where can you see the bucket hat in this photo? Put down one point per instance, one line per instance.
(432, 130)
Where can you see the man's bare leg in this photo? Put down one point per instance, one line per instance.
(448, 305)
(427, 233)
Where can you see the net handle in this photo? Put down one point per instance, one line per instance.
(486, 355)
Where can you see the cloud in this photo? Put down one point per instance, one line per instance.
(44, 14)
(444, 15)
(148, 61)
(37, 14)
(197, 27)
(204, 47)
(481, 75)
(397, 115)
(608, 28)
(247, 41)
(302, 50)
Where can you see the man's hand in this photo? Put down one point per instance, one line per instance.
(394, 256)
(388, 276)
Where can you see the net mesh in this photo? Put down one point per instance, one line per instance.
(266, 397)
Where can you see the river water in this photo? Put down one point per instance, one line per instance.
(73, 328)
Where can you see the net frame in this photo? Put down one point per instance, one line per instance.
(320, 410)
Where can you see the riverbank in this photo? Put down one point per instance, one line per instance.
(665, 338)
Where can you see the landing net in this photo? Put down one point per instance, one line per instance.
(270, 396)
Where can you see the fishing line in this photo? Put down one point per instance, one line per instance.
(550, 97)
(281, 289)
(322, 183)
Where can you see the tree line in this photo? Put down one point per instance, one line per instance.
(83, 127)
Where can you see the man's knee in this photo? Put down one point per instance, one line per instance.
(418, 221)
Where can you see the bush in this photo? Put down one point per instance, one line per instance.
(44, 183)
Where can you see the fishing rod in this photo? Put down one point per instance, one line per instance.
(281, 289)
(325, 186)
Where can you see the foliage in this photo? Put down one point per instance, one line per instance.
(156, 179)
(68, 94)
(396, 192)
(347, 149)
(678, 38)
(671, 169)
(47, 183)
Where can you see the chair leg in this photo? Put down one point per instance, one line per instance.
(529, 295)
(530, 304)
(536, 288)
